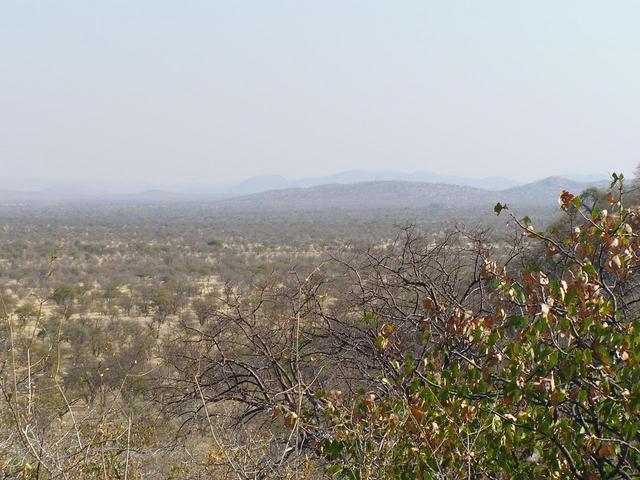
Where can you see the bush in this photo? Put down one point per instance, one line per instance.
(539, 379)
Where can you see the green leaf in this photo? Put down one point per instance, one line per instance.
(576, 202)
(590, 269)
(518, 321)
(616, 179)
(553, 359)
(333, 470)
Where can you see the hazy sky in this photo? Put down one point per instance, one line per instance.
(206, 91)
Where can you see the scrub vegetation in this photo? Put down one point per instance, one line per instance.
(185, 341)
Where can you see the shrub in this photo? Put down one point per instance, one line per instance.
(539, 379)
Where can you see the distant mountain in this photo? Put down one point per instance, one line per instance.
(383, 194)
(546, 190)
(344, 190)
(277, 182)
(404, 194)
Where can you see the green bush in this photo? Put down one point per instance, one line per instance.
(541, 380)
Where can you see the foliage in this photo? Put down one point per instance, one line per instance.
(540, 379)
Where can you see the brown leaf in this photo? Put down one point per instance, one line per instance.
(606, 450)
(429, 304)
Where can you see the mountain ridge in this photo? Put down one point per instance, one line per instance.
(378, 193)
(407, 194)
(263, 183)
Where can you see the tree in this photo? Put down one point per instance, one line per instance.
(64, 296)
(593, 198)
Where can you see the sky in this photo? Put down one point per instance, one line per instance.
(217, 91)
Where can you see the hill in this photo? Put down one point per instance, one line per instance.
(404, 194)
(276, 182)
(385, 194)
(545, 191)
(346, 193)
